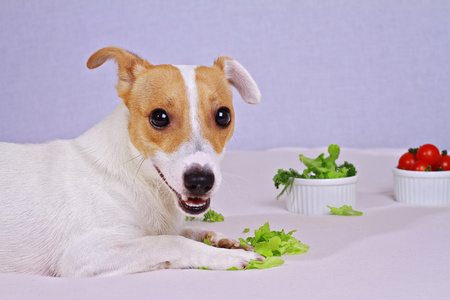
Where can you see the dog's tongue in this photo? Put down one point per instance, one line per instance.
(195, 200)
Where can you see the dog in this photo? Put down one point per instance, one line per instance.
(113, 201)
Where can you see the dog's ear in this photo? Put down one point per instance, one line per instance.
(239, 77)
(130, 65)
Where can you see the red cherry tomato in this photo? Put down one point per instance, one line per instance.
(428, 153)
(444, 162)
(406, 161)
(420, 166)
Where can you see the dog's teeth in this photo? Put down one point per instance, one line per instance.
(195, 204)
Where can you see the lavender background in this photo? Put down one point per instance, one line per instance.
(357, 73)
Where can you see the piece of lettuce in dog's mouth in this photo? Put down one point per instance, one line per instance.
(270, 243)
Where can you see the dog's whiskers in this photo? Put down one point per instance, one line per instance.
(130, 160)
(230, 180)
(235, 176)
(139, 165)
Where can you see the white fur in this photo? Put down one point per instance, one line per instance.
(188, 74)
(197, 151)
(93, 206)
(239, 77)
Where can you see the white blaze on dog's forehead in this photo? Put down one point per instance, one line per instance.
(197, 140)
(188, 74)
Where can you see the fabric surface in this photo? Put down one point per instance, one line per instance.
(393, 251)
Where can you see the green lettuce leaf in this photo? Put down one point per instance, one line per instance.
(321, 167)
(275, 243)
(212, 216)
(316, 168)
(207, 241)
(285, 178)
(344, 211)
(256, 264)
(269, 243)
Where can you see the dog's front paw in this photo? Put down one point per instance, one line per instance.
(229, 258)
(221, 241)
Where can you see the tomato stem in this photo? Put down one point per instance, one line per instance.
(413, 150)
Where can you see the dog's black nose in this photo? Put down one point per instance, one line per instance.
(198, 181)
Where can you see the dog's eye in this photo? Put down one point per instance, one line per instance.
(159, 118)
(223, 117)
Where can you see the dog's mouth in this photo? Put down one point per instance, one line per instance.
(190, 205)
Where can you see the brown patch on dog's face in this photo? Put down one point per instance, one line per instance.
(163, 88)
(160, 87)
(214, 93)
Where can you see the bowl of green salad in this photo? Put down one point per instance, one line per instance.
(321, 186)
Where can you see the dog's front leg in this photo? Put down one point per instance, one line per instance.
(216, 239)
(100, 254)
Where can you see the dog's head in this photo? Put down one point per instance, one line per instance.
(181, 118)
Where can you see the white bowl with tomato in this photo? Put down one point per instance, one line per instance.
(422, 177)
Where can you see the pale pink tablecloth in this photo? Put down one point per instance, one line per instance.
(393, 251)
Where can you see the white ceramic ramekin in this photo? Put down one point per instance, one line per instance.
(422, 188)
(311, 196)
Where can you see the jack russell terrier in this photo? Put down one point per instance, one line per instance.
(113, 201)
